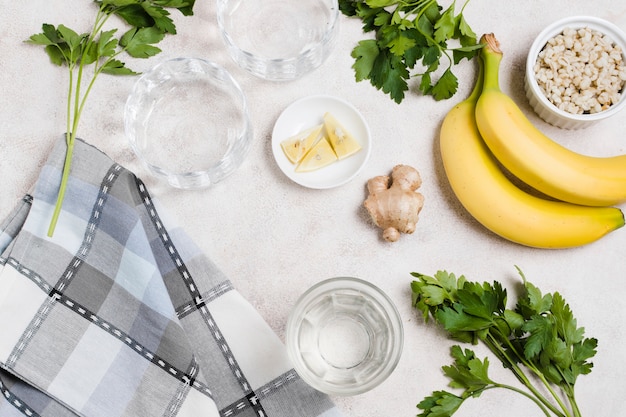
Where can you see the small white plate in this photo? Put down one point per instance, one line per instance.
(308, 112)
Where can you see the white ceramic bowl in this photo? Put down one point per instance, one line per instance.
(187, 121)
(540, 103)
(279, 40)
(344, 336)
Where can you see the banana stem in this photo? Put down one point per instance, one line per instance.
(478, 87)
(491, 56)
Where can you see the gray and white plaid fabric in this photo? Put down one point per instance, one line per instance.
(120, 314)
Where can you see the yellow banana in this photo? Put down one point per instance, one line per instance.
(536, 159)
(492, 199)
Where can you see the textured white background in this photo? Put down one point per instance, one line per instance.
(274, 238)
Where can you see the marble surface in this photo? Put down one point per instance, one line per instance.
(274, 238)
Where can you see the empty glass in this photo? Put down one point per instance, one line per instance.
(279, 39)
(187, 121)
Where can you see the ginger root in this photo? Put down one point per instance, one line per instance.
(395, 208)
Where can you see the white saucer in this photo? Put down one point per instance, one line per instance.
(308, 112)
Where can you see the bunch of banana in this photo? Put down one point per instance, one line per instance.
(487, 193)
(536, 159)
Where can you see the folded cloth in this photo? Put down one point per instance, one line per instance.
(120, 314)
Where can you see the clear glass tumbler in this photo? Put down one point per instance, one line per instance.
(187, 121)
(344, 336)
(279, 40)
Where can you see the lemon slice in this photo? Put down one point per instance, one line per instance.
(298, 145)
(343, 143)
(320, 155)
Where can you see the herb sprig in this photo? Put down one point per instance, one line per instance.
(149, 22)
(408, 33)
(539, 341)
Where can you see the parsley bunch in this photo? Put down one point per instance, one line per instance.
(149, 22)
(539, 341)
(410, 32)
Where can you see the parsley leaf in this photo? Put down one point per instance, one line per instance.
(440, 404)
(412, 40)
(446, 86)
(390, 74)
(117, 67)
(365, 55)
(138, 43)
(468, 372)
(445, 26)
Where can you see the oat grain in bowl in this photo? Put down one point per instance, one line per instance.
(581, 71)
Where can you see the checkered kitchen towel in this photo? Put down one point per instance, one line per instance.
(119, 314)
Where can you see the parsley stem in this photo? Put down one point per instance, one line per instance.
(419, 6)
(73, 115)
(69, 143)
(569, 392)
(68, 128)
(493, 345)
(65, 175)
(525, 394)
(464, 5)
(572, 400)
(547, 384)
(77, 51)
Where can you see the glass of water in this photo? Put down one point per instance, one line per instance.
(344, 336)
